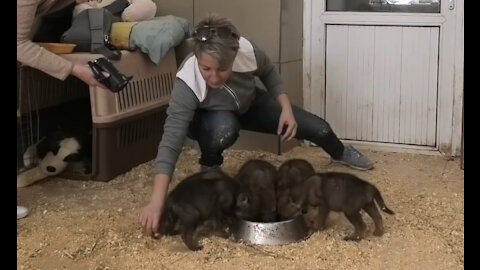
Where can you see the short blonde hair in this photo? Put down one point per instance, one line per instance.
(223, 49)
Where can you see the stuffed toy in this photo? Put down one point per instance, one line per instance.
(52, 155)
(139, 10)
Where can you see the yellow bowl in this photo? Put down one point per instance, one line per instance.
(58, 48)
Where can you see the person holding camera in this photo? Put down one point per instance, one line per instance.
(215, 96)
(30, 14)
(29, 19)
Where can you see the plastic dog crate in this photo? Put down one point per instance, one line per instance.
(36, 90)
(127, 126)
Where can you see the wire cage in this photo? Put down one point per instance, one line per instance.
(37, 91)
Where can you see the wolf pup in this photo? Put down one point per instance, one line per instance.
(202, 198)
(259, 204)
(291, 173)
(342, 192)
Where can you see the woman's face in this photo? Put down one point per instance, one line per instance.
(211, 72)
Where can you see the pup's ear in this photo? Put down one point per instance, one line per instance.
(242, 200)
(72, 157)
(290, 199)
(54, 148)
(281, 182)
(225, 199)
(314, 190)
(43, 147)
(313, 198)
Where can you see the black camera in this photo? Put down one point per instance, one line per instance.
(107, 74)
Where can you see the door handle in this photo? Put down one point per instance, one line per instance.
(451, 4)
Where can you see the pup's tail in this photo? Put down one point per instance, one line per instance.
(381, 203)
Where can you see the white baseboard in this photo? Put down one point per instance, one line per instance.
(392, 147)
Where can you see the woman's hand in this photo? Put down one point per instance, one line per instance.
(287, 119)
(85, 73)
(150, 218)
(152, 213)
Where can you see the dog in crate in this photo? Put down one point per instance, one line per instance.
(54, 153)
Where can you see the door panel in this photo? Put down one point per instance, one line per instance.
(381, 83)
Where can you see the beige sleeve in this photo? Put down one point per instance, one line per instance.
(31, 54)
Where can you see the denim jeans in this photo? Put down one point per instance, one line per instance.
(216, 130)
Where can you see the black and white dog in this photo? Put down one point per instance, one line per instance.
(53, 154)
(67, 142)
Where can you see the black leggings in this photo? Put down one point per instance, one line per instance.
(215, 131)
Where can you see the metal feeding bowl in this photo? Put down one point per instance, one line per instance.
(271, 233)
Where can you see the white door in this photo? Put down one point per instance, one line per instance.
(387, 72)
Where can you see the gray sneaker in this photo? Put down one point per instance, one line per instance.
(352, 158)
